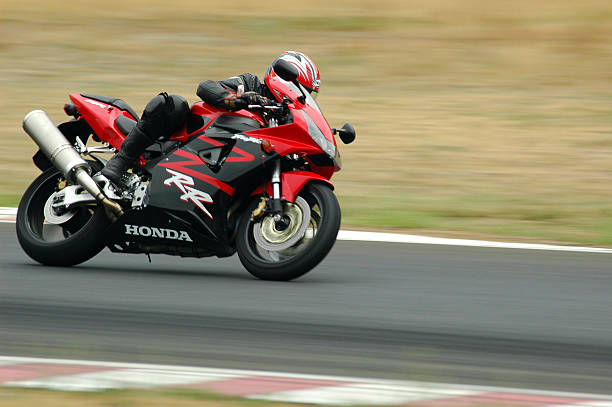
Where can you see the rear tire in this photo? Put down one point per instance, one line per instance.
(73, 242)
(270, 254)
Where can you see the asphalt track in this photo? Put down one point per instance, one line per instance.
(487, 316)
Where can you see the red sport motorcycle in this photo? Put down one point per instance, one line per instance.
(255, 181)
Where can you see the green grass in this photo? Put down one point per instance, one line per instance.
(20, 397)
(11, 200)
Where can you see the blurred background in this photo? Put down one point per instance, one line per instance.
(478, 118)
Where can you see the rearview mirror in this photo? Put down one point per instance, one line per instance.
(285, 70)
(347, 133)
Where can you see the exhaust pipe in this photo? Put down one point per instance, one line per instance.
(65, 158)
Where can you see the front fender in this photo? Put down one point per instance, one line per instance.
(292, 183)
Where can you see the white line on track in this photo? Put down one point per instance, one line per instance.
(400, 238)
(8, 214)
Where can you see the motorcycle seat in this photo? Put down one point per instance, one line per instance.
(118, 103)
(125, 124)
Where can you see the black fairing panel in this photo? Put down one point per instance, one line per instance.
(236, 124)
(187, 180)
(156, 230)
(195, 122)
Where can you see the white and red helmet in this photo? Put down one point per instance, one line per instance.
(308, 75)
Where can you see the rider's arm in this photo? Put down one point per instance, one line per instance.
(224, 94)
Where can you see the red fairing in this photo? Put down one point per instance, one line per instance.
(292, 183)
(281, 88)
(101, 118)
(289, 138)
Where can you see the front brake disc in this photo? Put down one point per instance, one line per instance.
(268, 237)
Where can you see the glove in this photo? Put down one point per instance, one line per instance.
(243, 101)
(253, 98)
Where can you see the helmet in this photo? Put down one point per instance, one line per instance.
(308, 75)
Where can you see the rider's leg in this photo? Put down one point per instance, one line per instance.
(162, 116)
(131, 148)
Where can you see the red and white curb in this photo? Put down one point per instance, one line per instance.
(78, 375)
(9, 215)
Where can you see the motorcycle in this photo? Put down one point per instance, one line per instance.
(255, 182)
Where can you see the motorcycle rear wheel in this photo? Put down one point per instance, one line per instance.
(72, 242)
(287, 253)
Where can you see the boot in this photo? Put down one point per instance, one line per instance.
(133, 146)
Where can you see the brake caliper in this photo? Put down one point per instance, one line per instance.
(260, 210)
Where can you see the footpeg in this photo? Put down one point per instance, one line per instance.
(129, 180)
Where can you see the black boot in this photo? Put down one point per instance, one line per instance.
(133, 146)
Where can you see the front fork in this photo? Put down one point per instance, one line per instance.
(273, 205)
(276, 204)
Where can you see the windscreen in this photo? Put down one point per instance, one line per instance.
(296, 93)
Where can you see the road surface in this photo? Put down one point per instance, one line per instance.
(487, 316)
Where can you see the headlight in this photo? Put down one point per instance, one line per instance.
(319, 138)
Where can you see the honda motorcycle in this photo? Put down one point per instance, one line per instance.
(255, 182)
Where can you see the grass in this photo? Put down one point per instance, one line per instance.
(487, 119)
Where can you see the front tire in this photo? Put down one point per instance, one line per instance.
(74, 241)
(287, 253)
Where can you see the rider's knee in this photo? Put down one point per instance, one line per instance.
(155, 107)
(164, 115)
(177, 115)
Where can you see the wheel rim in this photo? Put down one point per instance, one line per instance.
(46, 224)
(270, 237)
(54, 217)
(273, 245)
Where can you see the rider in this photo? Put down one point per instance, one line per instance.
(166, 114)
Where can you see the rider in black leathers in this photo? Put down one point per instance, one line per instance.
(166, 114)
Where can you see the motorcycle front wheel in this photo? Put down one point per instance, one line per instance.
(55, 239)
(283, 251)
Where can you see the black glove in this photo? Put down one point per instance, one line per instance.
(248, 98)
(253, 98)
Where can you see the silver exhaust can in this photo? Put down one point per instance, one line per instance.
(53, 144)
(65, 158)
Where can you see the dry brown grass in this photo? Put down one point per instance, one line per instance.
(473, 118)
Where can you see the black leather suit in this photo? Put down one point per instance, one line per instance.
(223, 94)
